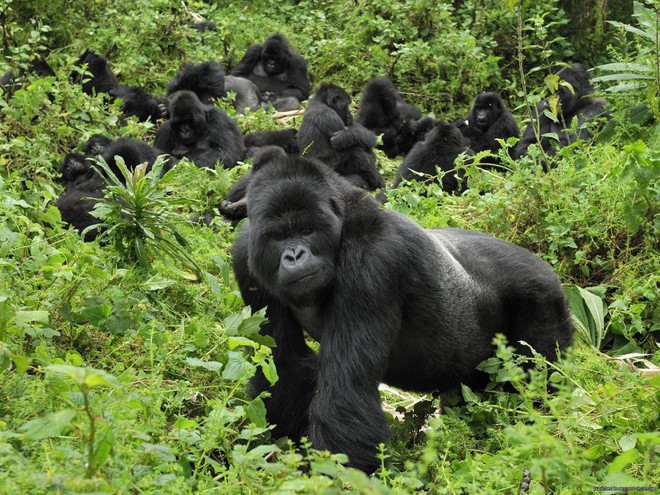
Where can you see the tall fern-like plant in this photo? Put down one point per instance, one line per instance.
(138, 217)
(642, 75)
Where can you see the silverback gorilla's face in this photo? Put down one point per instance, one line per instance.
(295, 233)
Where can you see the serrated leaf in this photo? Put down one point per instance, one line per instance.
(627, 442)
(269, 371)
(31, 317)
(237, 368)
(97, 378)
(47, 426)
(468, 395)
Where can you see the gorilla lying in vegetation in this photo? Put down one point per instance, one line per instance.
(278, 71)
(488, 121)
(576, 103)
(384, 111)
(438, 150)
(328, 133)
(13, 80)
(136, 101)
(387, 301)
(202, 133)
(83, 180)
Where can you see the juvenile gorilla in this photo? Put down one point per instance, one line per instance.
(202, 133)
(574, 102)
(384, 111)
(328, 133)
(439, 149)
(387, 301)
(488, 121)
(278, 71)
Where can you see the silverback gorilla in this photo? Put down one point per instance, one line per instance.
(387, 301)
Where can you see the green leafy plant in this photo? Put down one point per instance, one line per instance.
(642, 75)
(98, 443)
(138, 216)
(588, 311)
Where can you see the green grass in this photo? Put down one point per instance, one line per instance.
(122, 373)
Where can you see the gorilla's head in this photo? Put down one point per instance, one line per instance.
(381, 89)
(446, 139)
(275, 55)
(573, 85)
(487, 109)
(337, 99)
(96, 145)
(187, 118)
(73, 166)
(295, 213)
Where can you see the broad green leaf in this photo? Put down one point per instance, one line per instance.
(31, 317)
(208, 365)
(157, 282)
(624, 460)
(47, 426)
(469, 395)
(627, 442)
(237, 368)
(256, 412)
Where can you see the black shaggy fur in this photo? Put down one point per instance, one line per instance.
(575, 102)
(439, 149)
(328, 133)
(488, 121)
(387, 301)
(202, 133)
(278, 71)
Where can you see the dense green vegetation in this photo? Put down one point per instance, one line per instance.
(123, 363)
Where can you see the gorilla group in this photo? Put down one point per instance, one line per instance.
(386, 300)
(98, 78)
(82, 180)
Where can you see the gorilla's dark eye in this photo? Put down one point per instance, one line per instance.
(307, 231)
(279, 235)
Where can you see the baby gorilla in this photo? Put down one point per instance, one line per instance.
(387, 301)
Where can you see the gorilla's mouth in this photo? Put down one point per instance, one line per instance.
(304, 277)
